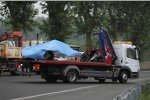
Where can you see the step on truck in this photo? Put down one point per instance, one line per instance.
(118, 61)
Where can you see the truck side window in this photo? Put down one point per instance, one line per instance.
(10, 43)
(131, 53)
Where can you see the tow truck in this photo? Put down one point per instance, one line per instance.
(117, 61)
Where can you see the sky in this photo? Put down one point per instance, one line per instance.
(38, 6)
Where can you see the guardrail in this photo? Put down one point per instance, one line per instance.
(135, 92)
(132, 93)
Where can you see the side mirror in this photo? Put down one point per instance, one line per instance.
(137, 53)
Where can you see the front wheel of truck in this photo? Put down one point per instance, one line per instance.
(123, 77)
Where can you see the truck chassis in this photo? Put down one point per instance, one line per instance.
(71, 71)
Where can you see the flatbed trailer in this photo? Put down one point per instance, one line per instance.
(71, 71)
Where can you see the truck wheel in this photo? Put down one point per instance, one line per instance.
(51, 79)
(0, 72)
(71, 76)
(123, 77)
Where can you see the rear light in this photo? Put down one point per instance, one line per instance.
(18, 66)
(36, 67)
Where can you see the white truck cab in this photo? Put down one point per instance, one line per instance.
(127, 57)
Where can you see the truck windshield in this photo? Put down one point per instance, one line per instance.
(131, 53)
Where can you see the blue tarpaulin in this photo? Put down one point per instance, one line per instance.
(37, 52)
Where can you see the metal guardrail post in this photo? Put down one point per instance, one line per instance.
(133, 93)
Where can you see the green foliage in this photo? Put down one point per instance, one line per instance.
(146, 90)
(146, 97)
(76, 39)
(18, 14)
(130, 21)
(59, 25)
(123, 20)
(32, 35)
(88, 19)
(3, 27)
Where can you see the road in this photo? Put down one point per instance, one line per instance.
(35, 88)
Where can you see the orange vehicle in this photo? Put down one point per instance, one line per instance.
(10, 51)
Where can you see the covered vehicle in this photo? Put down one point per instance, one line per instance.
(47, 50)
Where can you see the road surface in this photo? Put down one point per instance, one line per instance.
(35, 88)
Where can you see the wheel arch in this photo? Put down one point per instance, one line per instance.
(71, 67)
(128, 70)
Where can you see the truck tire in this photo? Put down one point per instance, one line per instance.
(123, 77)
(0, 72)
(71, 77)
(51, 79)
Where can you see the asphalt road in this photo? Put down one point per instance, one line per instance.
(35, 88)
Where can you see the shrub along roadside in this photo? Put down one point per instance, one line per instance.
(146, 90)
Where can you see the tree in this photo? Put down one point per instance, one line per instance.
(132, 19)
(139, 23)
(19, 14)
(59, 24)
(88, 18)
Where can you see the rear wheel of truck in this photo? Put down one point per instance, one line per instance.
(51, 79)
(123, 77)
(71, 77)
(0, 72)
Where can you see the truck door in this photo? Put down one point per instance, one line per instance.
(132, 59)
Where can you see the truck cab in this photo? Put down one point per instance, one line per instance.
(127, 57)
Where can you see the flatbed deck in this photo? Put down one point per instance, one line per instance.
(96, 64)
